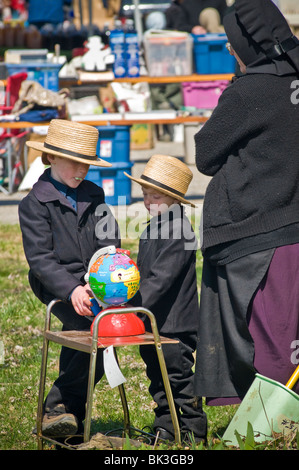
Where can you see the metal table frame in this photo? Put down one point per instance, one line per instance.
(84, 341)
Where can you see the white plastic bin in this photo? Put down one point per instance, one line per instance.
(168, 53)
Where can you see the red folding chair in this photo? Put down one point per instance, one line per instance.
(12, 141)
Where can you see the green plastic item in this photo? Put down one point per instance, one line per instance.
(270, 407)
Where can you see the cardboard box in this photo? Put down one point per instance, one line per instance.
(142, 136)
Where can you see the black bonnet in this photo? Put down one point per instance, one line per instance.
(262, 38)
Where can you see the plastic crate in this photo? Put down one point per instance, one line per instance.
(203, 94)
(44, 73)
(116, 185)
(114, 143)
(168, 53)
(211, 55)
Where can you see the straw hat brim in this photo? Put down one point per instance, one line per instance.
(161, 190)
(39, 146)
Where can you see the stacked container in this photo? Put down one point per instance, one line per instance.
(114, 147)
(132, 50)
(211, 55)
(124, 45)
(46, 74)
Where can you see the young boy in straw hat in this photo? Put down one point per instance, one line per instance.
(168, 288)
(64, 220)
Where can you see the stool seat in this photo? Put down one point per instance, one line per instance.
(88, 342)
(82, 340)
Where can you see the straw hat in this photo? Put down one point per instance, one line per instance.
(70, 140)
(168, 175)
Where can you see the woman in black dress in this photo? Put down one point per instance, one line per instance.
(249, 309)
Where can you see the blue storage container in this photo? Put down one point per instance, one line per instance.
(44, 73)
(211, 55)
(114, 143)
(116, 186)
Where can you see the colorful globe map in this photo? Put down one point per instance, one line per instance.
(114, 278)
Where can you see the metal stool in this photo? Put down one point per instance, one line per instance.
(85, 342)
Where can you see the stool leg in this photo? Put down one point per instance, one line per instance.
(90, 390)
(41, 394)
(163, 368)
(125, 408)
(168, 391)
(124, 403)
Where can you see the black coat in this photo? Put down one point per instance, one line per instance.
(250, 148)
(166, 260)
(183, 16)
(58, 241)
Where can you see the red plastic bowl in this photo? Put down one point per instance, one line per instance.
(121, 324)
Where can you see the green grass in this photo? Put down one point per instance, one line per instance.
(22, 321)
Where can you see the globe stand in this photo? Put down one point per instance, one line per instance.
(119, 325)
(85, 342)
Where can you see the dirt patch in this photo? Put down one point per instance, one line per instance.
(102, 442)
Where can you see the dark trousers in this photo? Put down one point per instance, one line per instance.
(179, 362)
(70, 388)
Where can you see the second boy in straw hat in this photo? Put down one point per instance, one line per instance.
(64, 220)
(168, 288)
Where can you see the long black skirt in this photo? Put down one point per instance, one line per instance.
(249, 323)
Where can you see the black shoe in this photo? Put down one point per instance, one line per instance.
(163, 434)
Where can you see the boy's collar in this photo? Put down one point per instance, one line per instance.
(174, 211)
(58, 185)
(45, 191)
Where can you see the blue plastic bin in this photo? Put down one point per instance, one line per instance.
(116, 186)
(211, 55)
(44, 73)
(114, 143)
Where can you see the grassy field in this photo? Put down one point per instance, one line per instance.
(21, 324)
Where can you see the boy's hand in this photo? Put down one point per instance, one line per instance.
(80, 300)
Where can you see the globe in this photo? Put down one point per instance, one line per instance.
(113, 278)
